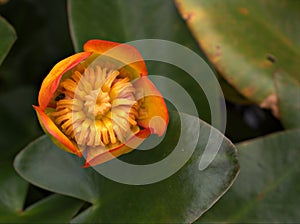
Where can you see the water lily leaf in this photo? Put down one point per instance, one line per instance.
(180, 198)
(53, 209)
(288, 92)
(247, 41)
(123, 21)
(13, 191)
(119, 21)
(8, 37)
(267, 189)
(18, 121)
(231, 94)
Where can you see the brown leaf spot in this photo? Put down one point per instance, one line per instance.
(188, 16)
(244, 11)
(248, 92)
(265, 64)
(217, 53)
(271, 102)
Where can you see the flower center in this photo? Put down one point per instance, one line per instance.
(96, 107)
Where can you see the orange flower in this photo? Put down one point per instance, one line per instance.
(100, 102)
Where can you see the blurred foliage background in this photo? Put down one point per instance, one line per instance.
(267, 188)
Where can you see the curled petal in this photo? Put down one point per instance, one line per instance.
(125, 53)
(154, 112)
(98, 158)
(55, 134)
(52, 80)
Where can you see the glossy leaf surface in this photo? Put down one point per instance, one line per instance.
(13, 190)
(247, 41)
(182, 197)
(119, 21)
(267, 189)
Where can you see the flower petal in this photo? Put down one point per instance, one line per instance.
(131, 144)
(52, 80)
(125, 53)
(156, 115)
(55, 134)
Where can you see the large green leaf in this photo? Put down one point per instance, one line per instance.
(182, 197)
(13, 190)
(288, 92)
(7, 36)
(248, 41)
(123, 21)
(53, 209)
(130, 20)
(267, 189)
(231, 94)
(18, 121)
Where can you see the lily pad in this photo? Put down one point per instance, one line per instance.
(267, 189)
(247, 41)
(288, 93)
(8, 37)
(13, 191)
(181, 197)
(231, 94)
(119, 21)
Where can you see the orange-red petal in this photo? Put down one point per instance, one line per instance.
(157, 118)
(52, 80)
(55, 134)
(130, 145)
(125, 53)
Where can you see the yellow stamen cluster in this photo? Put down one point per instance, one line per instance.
(96, 107)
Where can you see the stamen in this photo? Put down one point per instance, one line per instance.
(69, 85)
(99, 108)
(111, 77)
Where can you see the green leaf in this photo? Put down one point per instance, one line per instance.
(247, 41)
(19, 124)
(267, 189)
(119, 21)
(13, 191)
(288, 92)
(8, 37)
(53, 209)
(230, 93)
(182, 197)
(123, 21)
